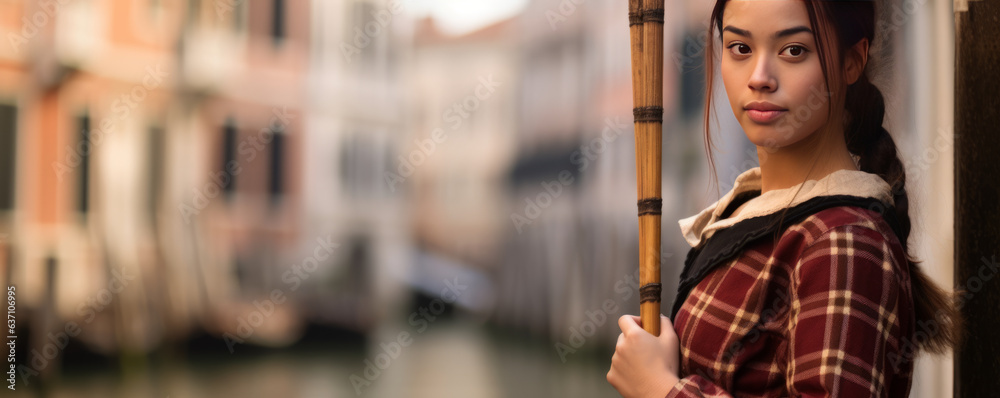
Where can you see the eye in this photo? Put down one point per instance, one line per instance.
(794, 51)
(739, 49)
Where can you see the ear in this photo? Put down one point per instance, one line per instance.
(857, 58)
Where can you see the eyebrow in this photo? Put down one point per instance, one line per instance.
(777, 35)
(792, 31)
(741, 32)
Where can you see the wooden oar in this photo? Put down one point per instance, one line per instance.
(646, 34)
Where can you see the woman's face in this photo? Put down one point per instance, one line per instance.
(772, 72)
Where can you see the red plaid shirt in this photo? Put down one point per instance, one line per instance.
(823, 310)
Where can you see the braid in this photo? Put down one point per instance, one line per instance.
(872, 143)
(876, 149)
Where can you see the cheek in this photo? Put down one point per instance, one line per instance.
(732, 81)
(811, 105)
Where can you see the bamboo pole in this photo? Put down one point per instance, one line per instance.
(646, 35)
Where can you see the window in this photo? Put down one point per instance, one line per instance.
(692, 76)
(357, 166)
(278, 22)
(83, 150)
(228, 156)
(239, 15)
(8, 150)
(155, 9)
(155, 179)
(347, 172)
(361, 15)
(194, 12)
(276, 183)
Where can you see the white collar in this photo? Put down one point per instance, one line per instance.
(841, 182)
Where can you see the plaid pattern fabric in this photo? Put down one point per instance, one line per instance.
(825, 310)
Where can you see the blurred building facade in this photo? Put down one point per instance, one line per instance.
(242, 68)
(154, 183)
(89, 113)
(463, 94)
(571, 238)
(356, 127)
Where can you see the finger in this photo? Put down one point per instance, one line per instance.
(667, 331)
(665, 323)
(627, 323)
(621, 339)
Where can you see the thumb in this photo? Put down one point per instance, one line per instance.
(628, 323)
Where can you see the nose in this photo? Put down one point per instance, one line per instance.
(762, 79)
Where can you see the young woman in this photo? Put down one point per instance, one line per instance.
(798, 282)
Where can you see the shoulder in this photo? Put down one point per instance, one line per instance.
(844, 219)
(847, 230)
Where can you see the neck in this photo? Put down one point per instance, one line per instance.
(811, 158)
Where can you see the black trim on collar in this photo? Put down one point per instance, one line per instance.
(738, 201)
(728, 242)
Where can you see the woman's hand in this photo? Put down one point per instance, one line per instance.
(644, 365)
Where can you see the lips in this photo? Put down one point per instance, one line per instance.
(764, 112)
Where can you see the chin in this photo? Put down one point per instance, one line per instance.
(772, 136)
(765, 136)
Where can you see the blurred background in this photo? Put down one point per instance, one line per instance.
(419, 198)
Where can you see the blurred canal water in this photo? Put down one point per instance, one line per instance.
(451, 358)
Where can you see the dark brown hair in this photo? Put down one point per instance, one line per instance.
(838, 26)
